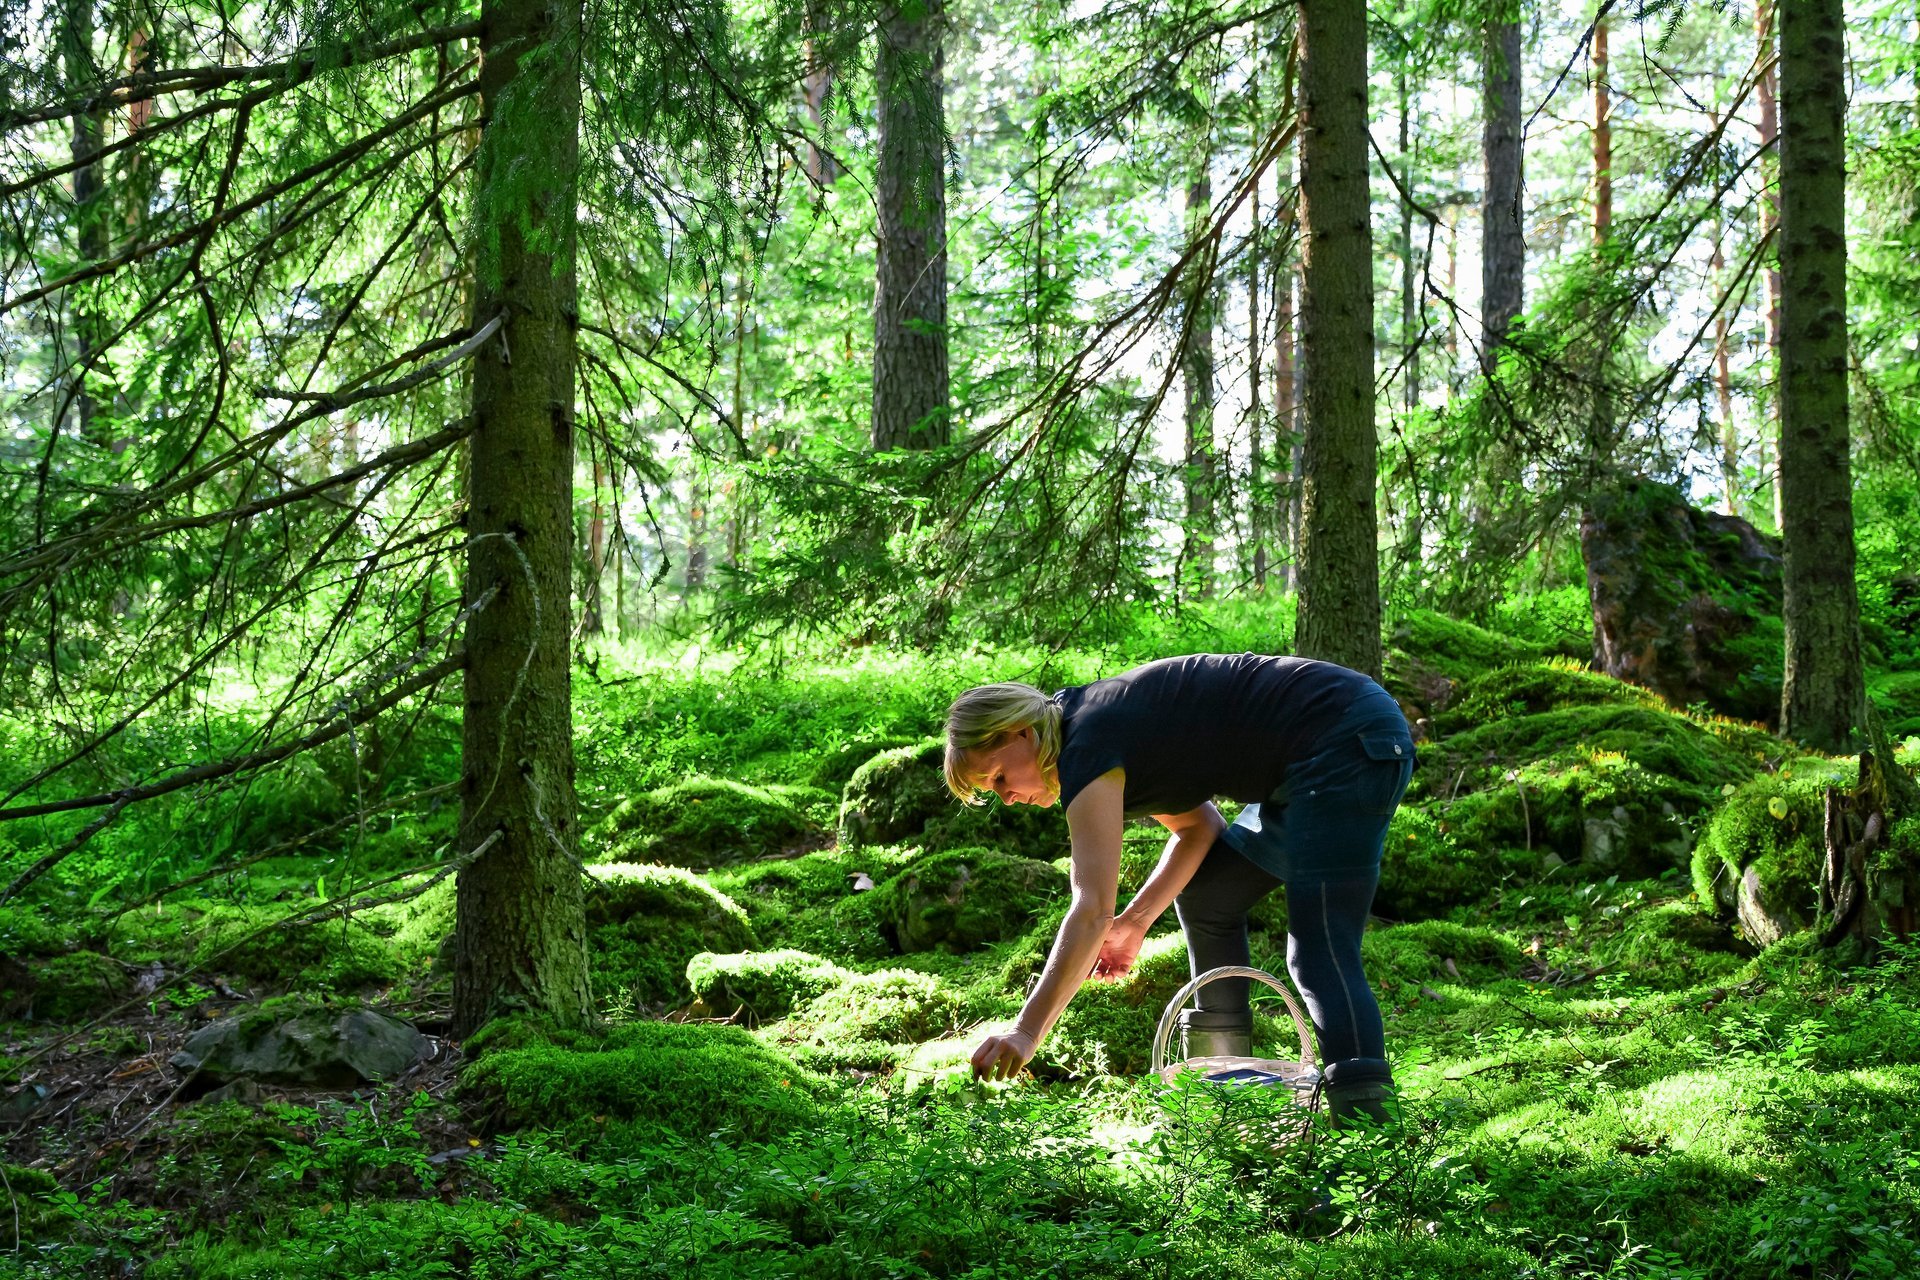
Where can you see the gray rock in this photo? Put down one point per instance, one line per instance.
(323, 1048)
(1764, 922)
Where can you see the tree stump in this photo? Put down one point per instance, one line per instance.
(1870, 879)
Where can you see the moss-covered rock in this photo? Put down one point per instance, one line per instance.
(962, 898)
(820, 902)
(705, 822)
(644, 923)
(73, 987)
(1430, 657)
(761, 985)
(1760, 856)
(901, 796)
(688, 1079)
(1685, 602)
(1427, 872)
(1672, 946)
(1420, 952)
(315, 1046)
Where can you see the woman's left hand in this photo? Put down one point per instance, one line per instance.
(1118, 951)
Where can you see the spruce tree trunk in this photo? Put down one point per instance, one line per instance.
(1766, 93)
(816, 85)
(1502, 241)
(521, 933)
(1824, 686)
(1339, 612)
(1197, 372)
(910, 388)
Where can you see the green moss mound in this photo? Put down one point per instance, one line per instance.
(686, 1079)
(812, 903)
(901, 796)
(1673, 946)
(644, 923)
(761, 985)
(963, 898)
(1759, 857)
(1427, 872)
(891, 1006)
(705, 822)
(73, 987)
(1419, 952)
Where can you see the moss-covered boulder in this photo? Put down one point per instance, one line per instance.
(901, 797)
(820, 902)
(73, 987)
(299, 1044)
(1685, 602)
(706, 822)
(646, 1078)
(1553, 759)
(1759, 859)
(761, 985)
(644, 923)
(890, 1007)
(1430, 656)
(1427, 872)
(963, 898)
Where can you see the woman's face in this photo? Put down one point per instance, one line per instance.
(1012, 771)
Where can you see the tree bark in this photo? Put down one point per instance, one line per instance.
(910, 379)
(1197, 372)
(89, 207)
(1821, 700)
(1766, 91)
(1602, 137)
(1503, 246)
(1723, 389)
(816, 85)
(521, 933)
(1339, 612)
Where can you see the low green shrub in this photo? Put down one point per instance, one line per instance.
(341, 954)
(761, 985)
(73, 987)
(1108, 1029)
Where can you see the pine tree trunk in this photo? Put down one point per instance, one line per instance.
(1723, 390)
(910, 379)
(521, 934)
(1197, 372)
(1824, 686)
(1409, 272)
(592, 623)
(816, 85)
(1502, 241)
(1339, 612)
(1256, 563)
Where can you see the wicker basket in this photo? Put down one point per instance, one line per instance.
(1299, 1075)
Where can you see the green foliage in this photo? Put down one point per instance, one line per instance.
(1897, 694)
(1108, 1029)
(959, 899)
(702, 822)
(811, 903)
(648, 1078)
(646, 922)
(341, 954)
(889, 1006)
(761, 985)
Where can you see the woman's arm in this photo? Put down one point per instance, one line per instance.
(1094, 822)
(1193, 834)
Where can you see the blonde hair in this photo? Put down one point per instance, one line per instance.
(983, 718)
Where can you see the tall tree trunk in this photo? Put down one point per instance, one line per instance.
(89, 208)
(1339, 613)
(910, 380)
(1285, 415)
(1197, 372)
(1766, 91)
(1503, 246)
(592, 623)
(1602, 137)
(1723, 388)
(521, 933)
(1824, 687)
(1409, 274)
(1256, 563)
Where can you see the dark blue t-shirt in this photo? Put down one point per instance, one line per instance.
(1210, 724)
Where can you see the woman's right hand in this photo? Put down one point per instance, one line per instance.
(1001, 1057)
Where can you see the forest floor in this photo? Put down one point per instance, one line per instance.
(1607, 1067)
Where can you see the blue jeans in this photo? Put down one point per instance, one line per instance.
(1321, 834)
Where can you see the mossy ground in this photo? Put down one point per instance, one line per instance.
(1602, 1078)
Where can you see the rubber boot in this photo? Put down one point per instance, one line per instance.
(1360, 1094)
(1206, 1034)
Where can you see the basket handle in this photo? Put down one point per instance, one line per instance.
(1164, 1032)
